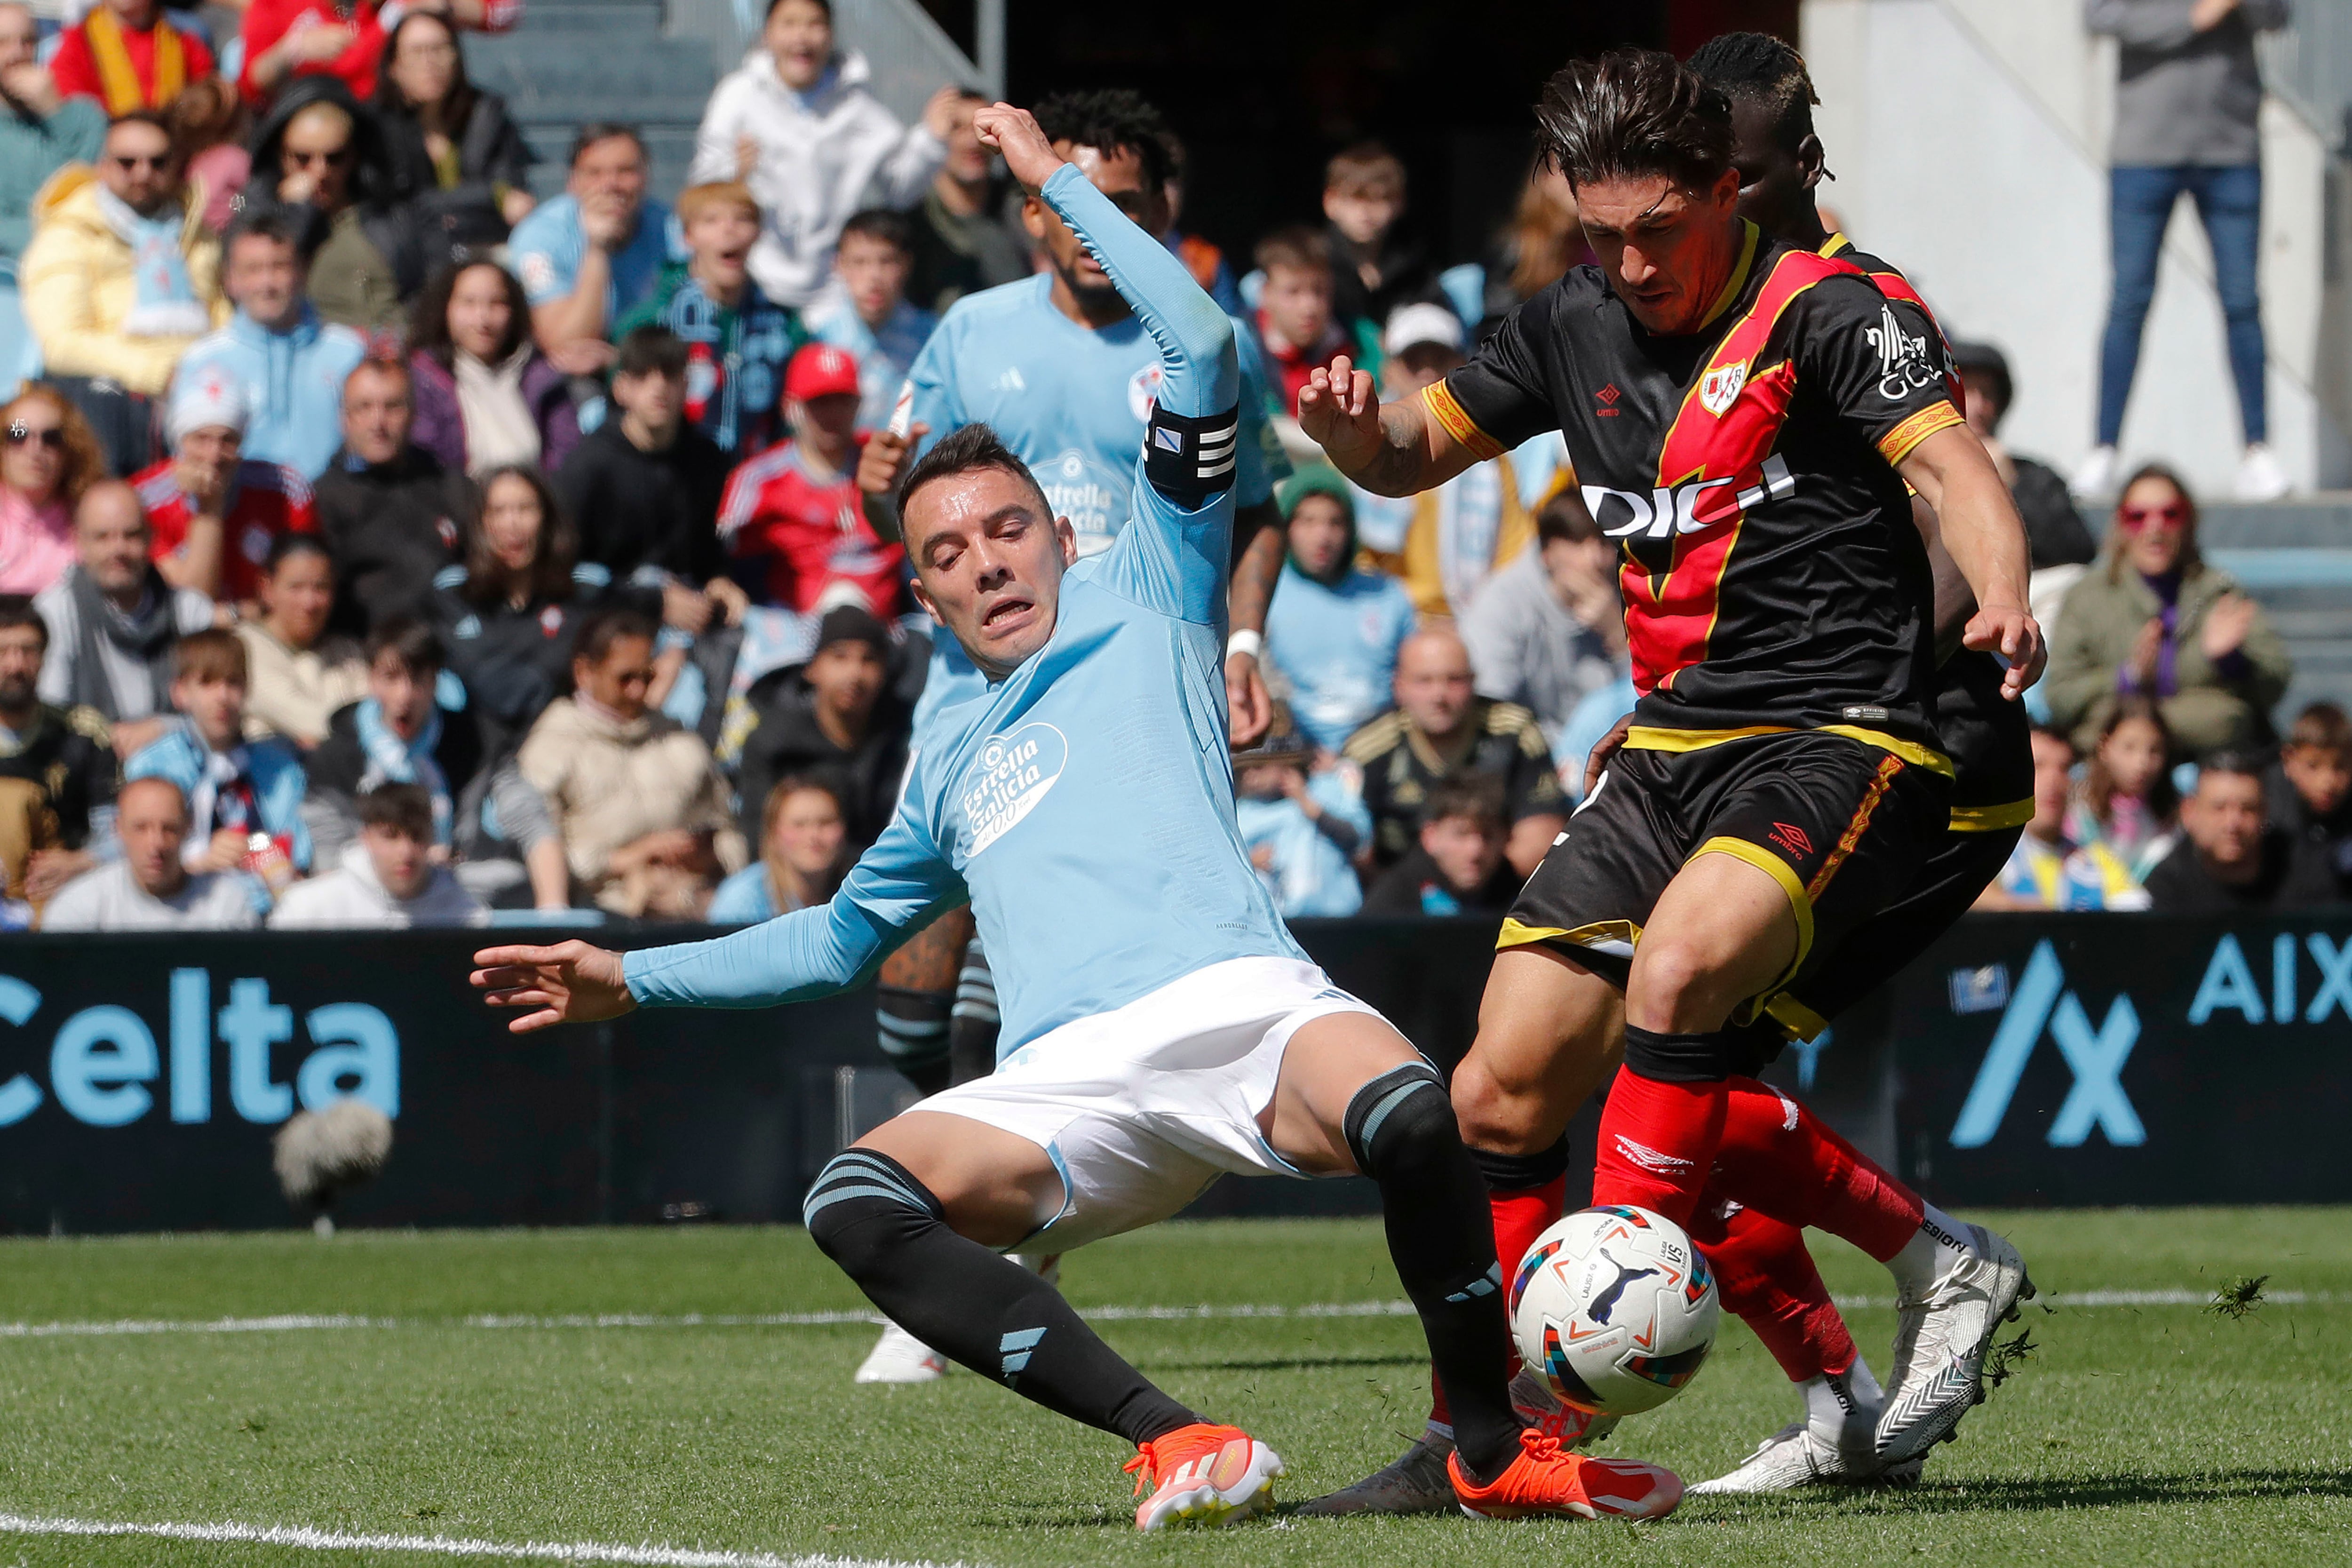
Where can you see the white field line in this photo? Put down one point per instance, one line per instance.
(1113, 1314)
(304, 1538)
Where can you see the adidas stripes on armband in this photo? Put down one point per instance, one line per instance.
(1187, 459)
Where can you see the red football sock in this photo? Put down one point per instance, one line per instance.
(1765, 1278)
(1778, 1156)
(1658, 1143)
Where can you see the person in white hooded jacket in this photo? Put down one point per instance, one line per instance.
(797, 123)
(388, 879)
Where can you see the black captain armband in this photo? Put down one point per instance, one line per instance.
(1187, 459)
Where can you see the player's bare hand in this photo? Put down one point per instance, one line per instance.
(1596, 762)
(1249, 707)
(884, 459)
(1339, 410)
(1015, 133)
(571, 983)
(2010, 631)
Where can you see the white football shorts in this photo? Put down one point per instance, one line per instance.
(1143, 1107)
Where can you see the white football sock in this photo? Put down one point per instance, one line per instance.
(1843, 1406)
(1939, 1242)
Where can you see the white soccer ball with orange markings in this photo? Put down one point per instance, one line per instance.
(1615, 1309)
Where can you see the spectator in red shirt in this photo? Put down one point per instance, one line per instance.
(1296, 324)
(128, 54)
(791, 522)
(212, 516)
(287, 38)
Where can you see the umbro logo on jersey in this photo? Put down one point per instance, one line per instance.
(1607, 398)
(1792, 838)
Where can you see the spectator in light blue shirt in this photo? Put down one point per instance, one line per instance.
(800, 863)
(594, 252)
(866, 314)
(1301, 828)
(1333, 631)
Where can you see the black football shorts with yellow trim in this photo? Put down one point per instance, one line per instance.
(1841, 824)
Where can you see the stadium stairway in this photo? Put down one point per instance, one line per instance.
(571, 61)
(2295, 558)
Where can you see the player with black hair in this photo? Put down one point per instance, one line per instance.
(1744, 415)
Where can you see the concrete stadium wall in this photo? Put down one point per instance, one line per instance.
(1968, 138)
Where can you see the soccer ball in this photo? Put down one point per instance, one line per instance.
(1614, 1309)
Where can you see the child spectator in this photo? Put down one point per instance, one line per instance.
(486, 397)
(2310, 791)
(1332, 632)
(869, 315)
(245, 797)
(1548, 630)
(397, 735)
(390, 511)
(736, 341)
(2046, 870)
(390, 879)
(120, 279)
(1457, 867)
(1374, 268)
(151, 887)
(286, 38)
(208, 130)
(968, 233)
(454, 150)
(1455, 536)
(594, 252)
(301, 674)
(797, 123)
(833, 718)
(792, 521)
(55, 767)
(128, 55)
(1295, 325)
(48, 457)
(112, 621)
(1302, 829)
(290, 364)
(802, 857)
(2127, 805)
(2233, 861)
(213, 515)
(643, 813)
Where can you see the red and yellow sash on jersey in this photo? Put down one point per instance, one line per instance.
(119, 78)
(1715, 462)
(1894, 286)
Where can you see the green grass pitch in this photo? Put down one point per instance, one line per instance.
(2152, 1432)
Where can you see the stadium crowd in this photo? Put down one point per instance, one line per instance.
(382, 546)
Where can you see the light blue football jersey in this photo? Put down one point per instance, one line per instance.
(1084, 804)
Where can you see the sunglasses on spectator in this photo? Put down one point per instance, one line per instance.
(2138, 517)
(334, 158)
(127, 161)
(50, 435)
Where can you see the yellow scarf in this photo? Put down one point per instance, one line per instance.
(115, 74)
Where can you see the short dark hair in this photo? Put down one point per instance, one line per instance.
(1631, 114)
(1765, 71)
(1111, 119)
(882, 226)
(298, 225)
(601, 630)
(417, 646)
(403, 808)
(1478, 796)
(213, 653)
(823, 5)
(1564, 518)
(650, 351)
(1984, 360)
(287, 546)
(16, 610)
(1366, 167)
(2321, 726)
(969, 450)
(2230, 760)
(2053, 732)
(1295, 246)
(597, 130)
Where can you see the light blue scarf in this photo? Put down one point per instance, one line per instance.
(164, 304)
(392, 760)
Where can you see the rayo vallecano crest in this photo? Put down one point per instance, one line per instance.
(1721, 385)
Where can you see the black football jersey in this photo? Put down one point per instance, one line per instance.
(1770, 573)
(1984, 734)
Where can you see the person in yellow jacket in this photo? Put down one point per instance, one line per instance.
(120, 279)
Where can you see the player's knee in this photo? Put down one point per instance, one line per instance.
(1400, 1122)
(1678, 984)
(1509, 1118)
(861, 1204)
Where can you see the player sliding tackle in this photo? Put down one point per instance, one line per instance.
(1163, 1026)
(1742, 415)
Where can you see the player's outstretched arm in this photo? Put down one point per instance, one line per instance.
(1390, 449)
(571, 983)
(1981, 527)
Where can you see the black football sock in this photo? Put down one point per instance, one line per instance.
(1401, 1128)
(913, 1028)
(983, 1312)
(972, 1023)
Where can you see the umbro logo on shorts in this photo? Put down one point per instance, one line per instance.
(1792, 838)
